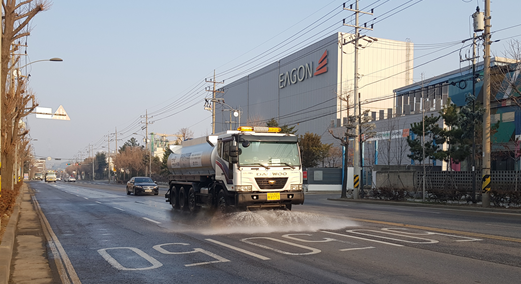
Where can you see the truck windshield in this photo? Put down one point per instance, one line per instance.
(269, 154)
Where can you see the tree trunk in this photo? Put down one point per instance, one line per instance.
(344, 182)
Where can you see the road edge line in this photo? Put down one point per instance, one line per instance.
(63, 263)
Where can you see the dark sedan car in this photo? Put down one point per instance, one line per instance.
(142, 185)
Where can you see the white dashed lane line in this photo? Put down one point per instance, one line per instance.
(153, 221)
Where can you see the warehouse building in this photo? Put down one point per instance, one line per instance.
(306, 88)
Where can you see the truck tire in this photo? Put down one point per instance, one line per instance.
(183, 199)
(192, 202)
(222, 202)
(174, 197)
(128, 192)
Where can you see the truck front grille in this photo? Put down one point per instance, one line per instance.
(271, 183)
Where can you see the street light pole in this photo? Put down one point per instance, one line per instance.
(2, 90)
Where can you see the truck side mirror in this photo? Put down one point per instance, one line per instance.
(234, 151)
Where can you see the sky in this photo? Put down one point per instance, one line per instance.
(122, 59)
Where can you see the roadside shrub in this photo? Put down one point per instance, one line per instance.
(448, 195)
(8, 199)
(387, 193)
(505, 198)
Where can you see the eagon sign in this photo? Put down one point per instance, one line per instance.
(303, 72)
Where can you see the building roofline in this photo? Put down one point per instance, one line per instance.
(495, 61)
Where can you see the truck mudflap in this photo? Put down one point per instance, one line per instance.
(272, 199)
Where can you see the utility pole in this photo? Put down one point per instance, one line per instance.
(423, 142)
(485, 197)
(146, 141)
(357, 160)
(116, 131)
(360, 145)
(108, 155)
(93, 159)
(473, 118)
(214, 99)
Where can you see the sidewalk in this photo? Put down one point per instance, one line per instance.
(470, 207)
(23, 252)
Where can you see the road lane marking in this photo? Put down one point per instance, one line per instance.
(219, 259)
(98, 202)
(356, 248)
(312, 250)
(422, 240)
(447, 231)
(153, 221)
(239, 250)
(118, 208)
(62, 261)
(291, 237)
(424, 233)
(160, 249)
(117, 265)
(85, 197)
(360, 238)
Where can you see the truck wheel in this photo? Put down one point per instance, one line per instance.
(174, 197)
(183, 200)
(192, 203)
(222, 202)
(128, 192)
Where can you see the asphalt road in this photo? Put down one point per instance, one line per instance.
(110, 237)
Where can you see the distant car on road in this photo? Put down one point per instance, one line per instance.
(50, 177)
(142, 185)
(58, 179)
(38, 176)
(71, 179)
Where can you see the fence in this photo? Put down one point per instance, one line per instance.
(462, 181)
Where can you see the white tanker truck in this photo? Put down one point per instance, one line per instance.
(243, 169)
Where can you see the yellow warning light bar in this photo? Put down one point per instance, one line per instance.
(259, 129)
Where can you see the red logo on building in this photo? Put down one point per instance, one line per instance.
(322, 64)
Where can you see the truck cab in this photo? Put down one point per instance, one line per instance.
(260, 169)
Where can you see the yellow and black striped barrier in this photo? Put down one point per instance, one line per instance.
(356, 181)
(485, 185)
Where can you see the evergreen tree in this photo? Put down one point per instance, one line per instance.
(100, 165)
(164, 162)
(283, 129)
(433, 139)
(132, 142)
(312, 150)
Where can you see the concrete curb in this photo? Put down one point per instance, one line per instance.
(416, 204)
(7, 246)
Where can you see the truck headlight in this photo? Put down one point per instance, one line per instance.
(296, 187)
(243, 188)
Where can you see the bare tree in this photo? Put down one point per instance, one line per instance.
(16, 18)
(507, 79)
(344, 138)
(185, 133)
(131, 159)
(334, 158)
(256, 121)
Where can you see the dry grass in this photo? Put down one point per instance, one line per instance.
(7, 201)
